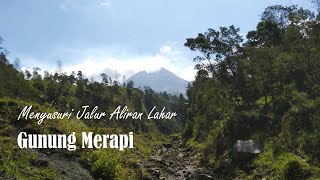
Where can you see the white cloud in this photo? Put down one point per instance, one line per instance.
(165, 49)
(188, 73)
(93, 62)
(104, 3)
(82, 5)
(65, 5)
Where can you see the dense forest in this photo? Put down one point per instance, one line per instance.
(264, 87)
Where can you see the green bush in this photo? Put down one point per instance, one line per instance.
(293, 170)
(102, 165)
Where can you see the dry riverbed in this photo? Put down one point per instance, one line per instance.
(173, 162)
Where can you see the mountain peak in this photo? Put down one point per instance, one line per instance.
(164, 70)
(160, 81)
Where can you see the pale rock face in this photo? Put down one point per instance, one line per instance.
(245, 150)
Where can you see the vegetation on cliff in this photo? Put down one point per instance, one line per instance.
(264, 88)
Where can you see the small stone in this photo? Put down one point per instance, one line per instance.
(181, 155)
(204, 177)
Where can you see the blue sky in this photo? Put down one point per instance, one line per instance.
(126, 36)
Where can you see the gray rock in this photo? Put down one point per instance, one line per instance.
(156, 159)
(199, 177)
(245, 150)
(155, 172)
(204, 177)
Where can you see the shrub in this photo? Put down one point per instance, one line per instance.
(103, 165)
(293, 170)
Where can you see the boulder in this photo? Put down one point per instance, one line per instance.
(245, 150)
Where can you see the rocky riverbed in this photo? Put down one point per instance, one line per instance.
(172, 161)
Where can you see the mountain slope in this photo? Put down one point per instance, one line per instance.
(160, 81)
(12, 83)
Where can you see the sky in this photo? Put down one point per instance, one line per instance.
(127, 36)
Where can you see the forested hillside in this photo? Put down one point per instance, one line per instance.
(263, 87)
(62, 92)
